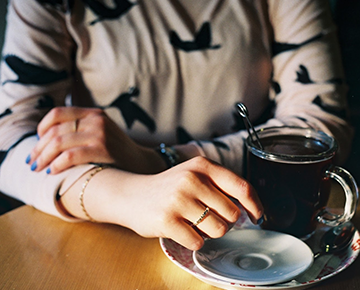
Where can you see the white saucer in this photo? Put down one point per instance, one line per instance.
(325, 267)
(255, 257)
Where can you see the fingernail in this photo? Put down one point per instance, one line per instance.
(33, 166)
(260, 220)
(48, 171)
(37, 136)
(28, 159)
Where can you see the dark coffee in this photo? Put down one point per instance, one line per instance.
(290, 190)
(293, 145)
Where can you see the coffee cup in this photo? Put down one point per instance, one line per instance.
(292, 175)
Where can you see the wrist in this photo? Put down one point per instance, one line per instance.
(152, 162)
(103, 196)
(168, 154)
(176, 154)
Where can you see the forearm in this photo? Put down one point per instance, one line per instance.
(113, 184)
(100, 197)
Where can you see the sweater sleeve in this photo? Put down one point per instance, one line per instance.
(308, 86)
(35, 77)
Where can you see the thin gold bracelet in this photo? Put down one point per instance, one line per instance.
(81, 196)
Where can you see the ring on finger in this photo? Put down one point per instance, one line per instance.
(202, 217)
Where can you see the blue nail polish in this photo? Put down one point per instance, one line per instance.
(37, 136)
(260, 220)
(33, 166)
(48, 171)
(28, 159)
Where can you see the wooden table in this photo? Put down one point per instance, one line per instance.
(38, 251)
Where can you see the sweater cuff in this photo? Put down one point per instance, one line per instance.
(38, 189)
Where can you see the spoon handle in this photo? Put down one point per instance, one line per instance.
(243, 111)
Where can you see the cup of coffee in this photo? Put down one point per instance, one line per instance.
(292, 175)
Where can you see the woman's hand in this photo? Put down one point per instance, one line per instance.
(71, 136)
(179, 196)
(168, 203)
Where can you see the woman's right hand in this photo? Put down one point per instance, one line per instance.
(168, 203)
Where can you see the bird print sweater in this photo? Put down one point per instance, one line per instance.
(166, 71)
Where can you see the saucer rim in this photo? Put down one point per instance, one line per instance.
(167, 244)
(308, 259)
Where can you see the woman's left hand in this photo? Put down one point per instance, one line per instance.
(71, 136)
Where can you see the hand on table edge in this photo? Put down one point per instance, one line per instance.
(166, 204)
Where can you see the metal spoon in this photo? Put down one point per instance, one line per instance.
(243, 111)
(336, 239)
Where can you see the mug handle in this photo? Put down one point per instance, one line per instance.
(348, 183)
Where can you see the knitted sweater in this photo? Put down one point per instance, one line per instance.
(166, 71)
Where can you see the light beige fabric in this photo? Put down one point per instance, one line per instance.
(194, 90)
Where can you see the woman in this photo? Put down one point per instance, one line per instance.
(139, 74)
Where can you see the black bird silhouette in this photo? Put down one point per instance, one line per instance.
(6, 112)
(104, 12)
(279, 47)
(2, 156)
(219, 144)
(3, 153)
(275, 86)
(329, 109)
(202, 40)
(45, 102)
(31, 74)
(183, 136)
(303, 75)
(337, 81)
(131, 111)
(58, 4)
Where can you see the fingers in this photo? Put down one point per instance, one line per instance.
(68, 138)
(212, 197)
(185, 235)
(74, 156)
(185, 232)
(65, 151)
(206, 219)
(58, 138)
(60, 115)
(229, 184)
(203, 201)
(182, 230)
(56, 131)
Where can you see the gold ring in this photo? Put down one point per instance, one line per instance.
(202, 217)
(75, 125)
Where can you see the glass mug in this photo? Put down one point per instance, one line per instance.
(291, 175)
